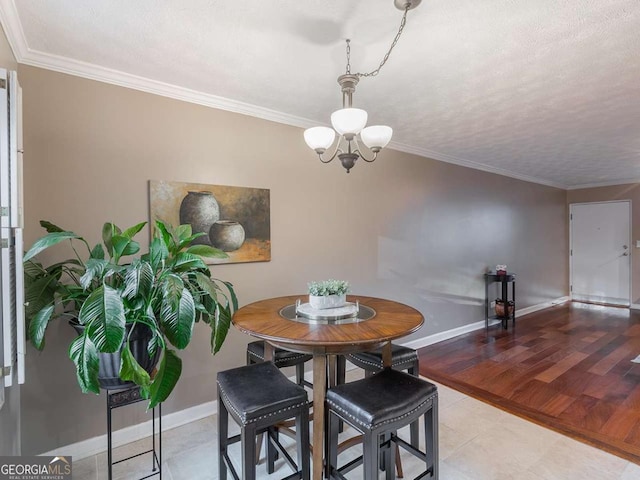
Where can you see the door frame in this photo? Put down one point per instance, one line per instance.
(571, 205)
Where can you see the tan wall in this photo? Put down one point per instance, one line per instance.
(409, 228)
(10, 412)
(618, 192)
(7, 59)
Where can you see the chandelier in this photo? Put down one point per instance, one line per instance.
(349, 122)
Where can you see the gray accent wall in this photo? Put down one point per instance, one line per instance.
(408, 228)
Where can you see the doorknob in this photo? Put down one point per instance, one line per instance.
(625, 247)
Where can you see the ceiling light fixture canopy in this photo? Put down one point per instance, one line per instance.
(349, 122)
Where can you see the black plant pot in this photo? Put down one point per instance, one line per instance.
(108, 373)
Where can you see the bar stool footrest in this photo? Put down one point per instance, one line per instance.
(280, 448)
(409, 448)
(229, 464)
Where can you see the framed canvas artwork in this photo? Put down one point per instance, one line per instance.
(233, 219)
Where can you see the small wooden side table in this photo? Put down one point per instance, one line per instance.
(504, 280)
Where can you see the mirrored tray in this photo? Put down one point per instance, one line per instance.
(360, 313)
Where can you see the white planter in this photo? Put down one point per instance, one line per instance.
(329, 301)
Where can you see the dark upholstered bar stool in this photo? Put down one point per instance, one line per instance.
(378, 406)
(402, 358)
(258, 397)
(281, 358)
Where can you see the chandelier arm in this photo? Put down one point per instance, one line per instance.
(326, 161)
(375, 72)
(375, 155)
(337, 152)
(361, 154)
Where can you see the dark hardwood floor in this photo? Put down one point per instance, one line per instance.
(567, 367)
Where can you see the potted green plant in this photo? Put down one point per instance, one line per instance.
(155, 298)
(328, 294)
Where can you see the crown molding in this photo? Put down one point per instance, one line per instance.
(13, 29)
(15, 34)
(27, 56)
(611, 183)
(115, 77)
(444, 157)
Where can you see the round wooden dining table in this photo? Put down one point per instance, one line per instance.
(265, 320)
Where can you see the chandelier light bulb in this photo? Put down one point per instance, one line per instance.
(349, 121)
(376, 137)
(319, 138)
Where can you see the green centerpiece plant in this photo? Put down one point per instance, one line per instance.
(164, 291)
(328, 287)
(328, 294)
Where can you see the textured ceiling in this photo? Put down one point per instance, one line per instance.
(544, 90)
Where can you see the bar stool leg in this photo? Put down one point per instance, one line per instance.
(223, 438)
(428, 426)
(341, 369)
(248, 441)
(397, 461)
(251, 361)
(300, 374)
(399, 471)
(302, 440)
(414, 428)
(390, 452)
(332, 437)
(259, 442)
(431, 426)
(271, 450)
(341, 378)
(370, 449)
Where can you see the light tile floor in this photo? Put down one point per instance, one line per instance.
(477, 442)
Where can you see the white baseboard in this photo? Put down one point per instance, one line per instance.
(442, 336)
(634, 306)
(454, 332)
(96, 445)
(541, 306)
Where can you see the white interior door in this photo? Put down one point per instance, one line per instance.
(601, 252)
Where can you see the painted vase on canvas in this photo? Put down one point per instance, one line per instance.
(200, 210)
(226, 235)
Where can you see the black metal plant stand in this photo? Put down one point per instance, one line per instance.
(120, 398)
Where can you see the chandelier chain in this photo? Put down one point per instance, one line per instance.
(375, 72)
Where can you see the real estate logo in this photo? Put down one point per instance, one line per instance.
(35, 468)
